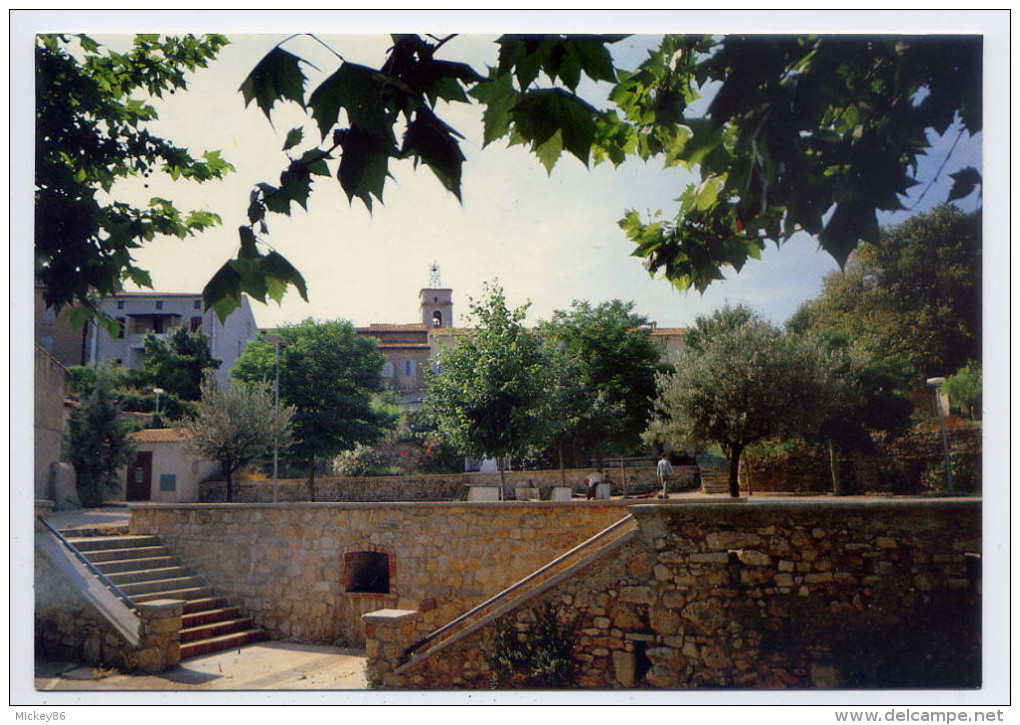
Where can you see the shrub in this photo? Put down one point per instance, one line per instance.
(966, 474)
(361, 460)
(541, 658)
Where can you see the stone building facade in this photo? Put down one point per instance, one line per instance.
(52, 408)
(410, 347)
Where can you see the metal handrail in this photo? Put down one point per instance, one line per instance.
(88, 564)
(514, 588)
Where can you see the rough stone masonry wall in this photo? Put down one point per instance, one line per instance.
(805, 469)
(771, 595)
(284, 563)
(432, 487)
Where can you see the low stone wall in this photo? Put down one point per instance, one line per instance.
(436, 487)
(805, 469)
(292, 566)
(852, 593)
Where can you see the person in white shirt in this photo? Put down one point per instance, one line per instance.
(664, 470)
(593, 482)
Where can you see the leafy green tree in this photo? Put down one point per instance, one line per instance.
(868, 396)
(785, 133)
(179, 364)
(237, 426)
(437, 455)
(488, 393)
(92, 116)
(98, 443)
(914, 297)
(576, 417)
(964, 389)
(83, 378)
(740, 384)
(608, 362)
(330, 375)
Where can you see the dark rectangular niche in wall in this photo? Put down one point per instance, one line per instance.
(366, 572)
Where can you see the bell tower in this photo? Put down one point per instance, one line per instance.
(436, 301)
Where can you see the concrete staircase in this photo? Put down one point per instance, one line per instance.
(144, 570)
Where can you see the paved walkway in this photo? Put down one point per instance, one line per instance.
(262, 666)
(94, 518)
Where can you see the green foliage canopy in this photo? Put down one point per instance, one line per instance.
(180, 362)
(743, 382)
(97, 443)
(785, 133)
(608, 362)
(915, 297)
(329, 374)
(237, 426)
(92, 113)
(488, 392)
(964, 388)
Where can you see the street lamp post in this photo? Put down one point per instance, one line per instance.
(158, 392)
(936, 383)
(276, 341)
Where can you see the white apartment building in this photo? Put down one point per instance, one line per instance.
(140, 313)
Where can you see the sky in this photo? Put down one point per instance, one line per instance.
(548, 238)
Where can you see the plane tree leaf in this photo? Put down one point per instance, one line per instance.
(278, 76)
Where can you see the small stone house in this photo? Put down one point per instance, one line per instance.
(163, 469)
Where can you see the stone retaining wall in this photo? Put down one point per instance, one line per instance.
(289, 565)
(436, 487)
(805, 469)
(854, 593)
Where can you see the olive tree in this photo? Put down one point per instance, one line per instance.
(742, 381)
(237, 426)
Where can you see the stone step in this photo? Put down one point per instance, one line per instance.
(185, 594)
(150, 562)
(147, 575)
(215, 629)
(205, 604)
(145, 571)
(96, 543)
(205, 616)
(227, 641)
(105, 555)
(154, 586)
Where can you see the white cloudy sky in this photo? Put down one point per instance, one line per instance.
(549, 239)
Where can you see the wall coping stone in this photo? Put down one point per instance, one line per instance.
(580, 503)
(814, 503)
(159, 605)
(390, 616)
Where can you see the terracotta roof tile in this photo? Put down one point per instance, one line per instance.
(160, 435)
(387, 327)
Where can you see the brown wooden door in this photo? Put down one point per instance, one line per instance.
(139, 478)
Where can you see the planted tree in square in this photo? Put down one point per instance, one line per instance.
(237, 426)
(331, 376)
(98, 443)
(738, 381)
(487, 395)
